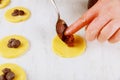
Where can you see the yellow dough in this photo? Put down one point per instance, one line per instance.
(13, 52)
(15, 19)
(4, 3)
(19, 72)
(61, 49)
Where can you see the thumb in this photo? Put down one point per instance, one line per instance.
(84, 20)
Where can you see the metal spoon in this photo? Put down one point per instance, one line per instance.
(61, 26)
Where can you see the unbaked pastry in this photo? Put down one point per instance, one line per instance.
(7, 52)
(61, 49)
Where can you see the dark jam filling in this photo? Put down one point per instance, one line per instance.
(7, 74)
(17, 12)
(0, 1)
(61, 27)
(91, 3)
(13, 43)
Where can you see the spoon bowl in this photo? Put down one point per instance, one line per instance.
(61, 27)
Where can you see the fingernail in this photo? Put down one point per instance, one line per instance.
(66, 32)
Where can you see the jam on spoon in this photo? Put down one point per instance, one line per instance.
(61, 26)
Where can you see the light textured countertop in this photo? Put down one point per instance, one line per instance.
(99, 62)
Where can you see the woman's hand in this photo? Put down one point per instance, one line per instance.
(102, 20)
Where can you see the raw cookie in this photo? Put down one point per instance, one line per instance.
(19, 72)
(61, 49)
(7, 52)
(15, 19)
(4, 3)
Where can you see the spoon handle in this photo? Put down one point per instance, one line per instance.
(56, 8)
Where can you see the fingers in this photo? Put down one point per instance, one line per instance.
(108, 30)
(115, 38)
(96, 25)
(84, 20)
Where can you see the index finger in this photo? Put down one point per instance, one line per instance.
(84, 20)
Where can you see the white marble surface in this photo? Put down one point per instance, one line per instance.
(99, 62)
